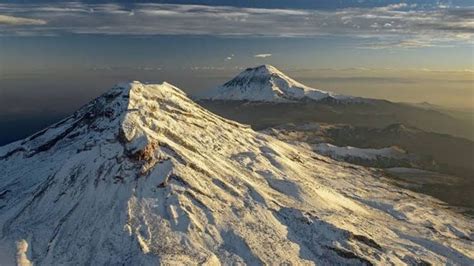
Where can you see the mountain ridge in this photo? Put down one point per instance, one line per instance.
(143, 175)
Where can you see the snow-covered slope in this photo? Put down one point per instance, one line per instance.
(267, 84)
(142, 175)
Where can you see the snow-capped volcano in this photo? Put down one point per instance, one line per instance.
(143, 176)
(267, 84)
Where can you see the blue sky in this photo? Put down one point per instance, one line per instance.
(335, 26)
(198, 44)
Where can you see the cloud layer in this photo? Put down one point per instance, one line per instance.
(398, 25)
(17, 21)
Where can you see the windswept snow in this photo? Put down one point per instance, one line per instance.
(142, 175)
(267, 84)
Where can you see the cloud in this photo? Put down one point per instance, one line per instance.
(262, 55)
(399, 25)
(18, 21)
(392, 7)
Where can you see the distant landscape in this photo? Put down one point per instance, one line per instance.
(436, 139)
(219, 132)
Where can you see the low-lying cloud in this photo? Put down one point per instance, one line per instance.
(262, 55)
(398, 25)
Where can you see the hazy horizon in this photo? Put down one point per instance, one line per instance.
(57, 55)
(61, 90)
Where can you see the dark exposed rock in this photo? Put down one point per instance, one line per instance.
(349, 255)
(369, 242)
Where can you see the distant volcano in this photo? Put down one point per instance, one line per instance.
(267, 84)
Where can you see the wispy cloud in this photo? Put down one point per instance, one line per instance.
(19, 21)
(399, 25)
(262, 55)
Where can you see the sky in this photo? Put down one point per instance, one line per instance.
(55, 55)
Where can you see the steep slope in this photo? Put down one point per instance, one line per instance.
(143, 175)
(267, 84)
(442, 155)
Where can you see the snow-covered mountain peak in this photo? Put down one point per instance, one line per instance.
(268, 84)
(269, 73)
(264, 70)
(138, 91)
(143, 176)
(131, 113)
